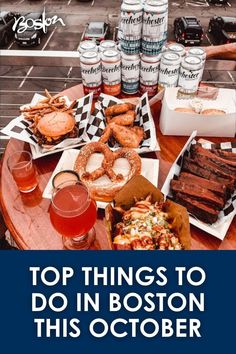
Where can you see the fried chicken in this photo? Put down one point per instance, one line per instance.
(123, 119)
(125, 136)
(120, 119)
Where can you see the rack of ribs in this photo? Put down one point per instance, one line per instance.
(217, 188)
(197, 192)
(206, 181)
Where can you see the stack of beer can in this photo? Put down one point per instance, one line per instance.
(100, 67)
(181, 68)
(144, 33)
(144, 62)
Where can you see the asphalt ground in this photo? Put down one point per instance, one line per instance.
(18, 84)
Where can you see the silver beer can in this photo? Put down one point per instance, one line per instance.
(106, 44)
(111, 72)
(201, 53)
(91, 72)
(169, 70)
(86, 46)
(177, 48)
(149, 71)
(130, 66)
(155, 21)
(131, 26)
(189, 75)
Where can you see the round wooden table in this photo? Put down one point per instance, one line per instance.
(27, 217)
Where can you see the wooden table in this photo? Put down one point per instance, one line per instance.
(26, 215)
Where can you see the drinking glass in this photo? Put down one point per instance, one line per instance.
(21, 166)
(73, 214)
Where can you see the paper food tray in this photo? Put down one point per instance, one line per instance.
(150, 169)
(219, 228)
(19, 128)
(97, 122)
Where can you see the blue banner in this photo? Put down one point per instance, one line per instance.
(88, 302)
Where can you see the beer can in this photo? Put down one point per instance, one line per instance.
(176, 48)
(149, 71)
(91, 72)
(189, 75)
(201, 53)
(130, 65)
(155, 20)
(131, 26)
(169, 70)
(111, 72)
(106, 44)
(86, 46)
(165, 3)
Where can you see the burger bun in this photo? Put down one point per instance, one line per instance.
(56, 124)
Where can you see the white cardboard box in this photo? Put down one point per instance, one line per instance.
(178, 123)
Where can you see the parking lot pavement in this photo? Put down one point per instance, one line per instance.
(18, 84)
(202, 10)
(76, 14)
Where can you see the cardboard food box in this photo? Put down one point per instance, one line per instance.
(181, 123)
(139, 188)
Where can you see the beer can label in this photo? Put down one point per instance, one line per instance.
(111, 73)
(130, 87)
(131, 27)
(149, 73)
(168, 75)
(130, 76)
(112, 90)
(97, 90)
(131, 24)
(154, 32)
(151, 90)
(130, 47)
(91, 74)
(189, 79)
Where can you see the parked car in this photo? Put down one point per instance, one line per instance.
(6, 23)
(96, 31)
(31, 36)
(218, 2)
(223, 29)
(188, 30)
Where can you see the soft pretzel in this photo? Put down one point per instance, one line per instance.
(106, 191)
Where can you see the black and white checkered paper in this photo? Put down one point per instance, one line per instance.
(220, 227)
(19, 128)
(144, 119)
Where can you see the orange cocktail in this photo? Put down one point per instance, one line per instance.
(23, 171)
(73, 214)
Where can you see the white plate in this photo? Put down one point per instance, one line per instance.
(150, 169)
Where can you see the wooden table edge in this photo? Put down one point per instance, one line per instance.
(16, 236)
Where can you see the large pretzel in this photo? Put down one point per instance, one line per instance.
(106, 191)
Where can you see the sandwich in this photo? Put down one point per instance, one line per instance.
(55, 127)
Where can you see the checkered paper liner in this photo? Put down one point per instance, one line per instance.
(19, 128)
(144, 119)
(220, 227)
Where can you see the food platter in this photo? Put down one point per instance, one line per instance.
(220, 226)
(141, 220)
(20, 128)
(150, 170)
(90, 125)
